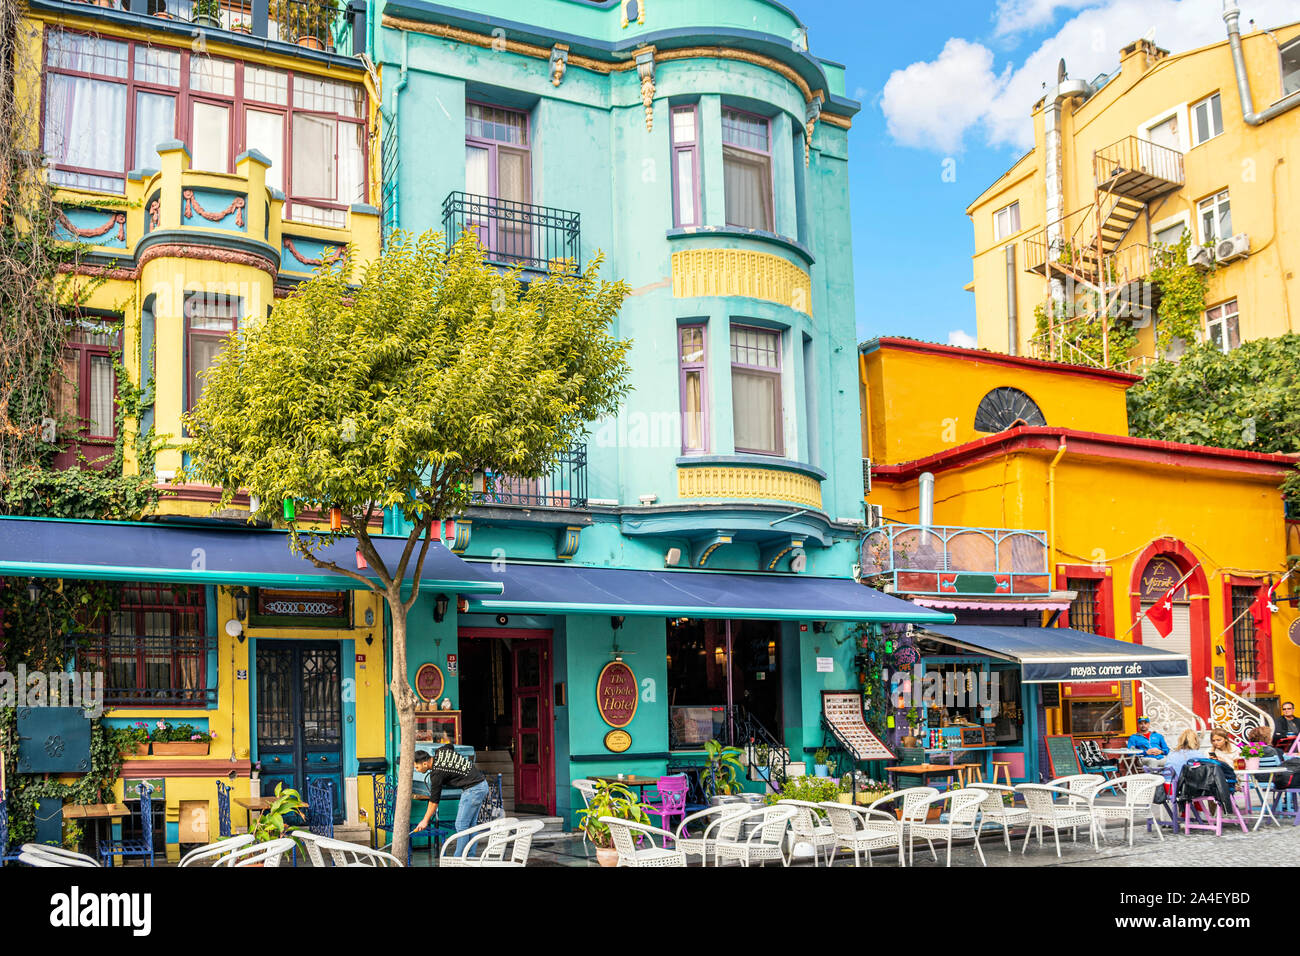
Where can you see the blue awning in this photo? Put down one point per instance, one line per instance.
(1050, 655)
(206, 554)
(574, 589)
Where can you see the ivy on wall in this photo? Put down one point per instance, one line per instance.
(1182, 289)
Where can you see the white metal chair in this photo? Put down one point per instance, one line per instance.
(355, 855)
(860, 828)
(913, 802)
(625, 834)
(586, 789)
(699, 845)
(214, 851)
(963, 809)
(520, 841)
(807, 826)
(493, 837)
(766, 839)
(266, 854)
(42, 854)
(1139, 792)
(1045, 811)
(994, 809)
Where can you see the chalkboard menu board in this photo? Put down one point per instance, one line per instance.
(843, 711)
(1051, 695)
(1061, 755)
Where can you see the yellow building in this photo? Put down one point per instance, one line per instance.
(1194, 141)
(206, 170)
(1018, 443)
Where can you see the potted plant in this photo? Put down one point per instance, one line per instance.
(179, 740)
(308, 23)
(720, 777)
(272, 825)
(762, 763)
(870, 790)
(133, 741)
(158, 8)
(1252, 752)
(72, 834)
(241, 26)
(846, 789)
(820, 757)
(611, 799)
(207, 13)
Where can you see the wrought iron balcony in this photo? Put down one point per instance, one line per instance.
(564, 487)
(300, 22)
(149, 670)
(1139, 169)
(956, 560)
(516, 233)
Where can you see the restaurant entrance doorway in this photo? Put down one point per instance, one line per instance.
(506, 706)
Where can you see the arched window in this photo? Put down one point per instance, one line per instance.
(1005, 407)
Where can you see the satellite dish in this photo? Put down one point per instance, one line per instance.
(1060, 71)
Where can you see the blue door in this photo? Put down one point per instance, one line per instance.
(300, 716)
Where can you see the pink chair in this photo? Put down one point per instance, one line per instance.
(672, 800)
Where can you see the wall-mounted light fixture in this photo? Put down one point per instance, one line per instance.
(672, 557)
(616, 621)
(370, 617)
(33, 590)
(440, 608)
(241, 602)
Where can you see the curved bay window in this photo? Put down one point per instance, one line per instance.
(716, 668)
(150, 646)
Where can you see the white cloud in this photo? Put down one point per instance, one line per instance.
(935, 104)
(962, 339)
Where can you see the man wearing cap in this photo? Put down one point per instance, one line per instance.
(1150, 742)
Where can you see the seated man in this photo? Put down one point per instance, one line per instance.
(1150, 742)
(1287, 727)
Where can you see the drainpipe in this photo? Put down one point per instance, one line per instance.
(1054, 168)
(1051, 506)
(925, 509)
(1230, 17)
(1013, 330)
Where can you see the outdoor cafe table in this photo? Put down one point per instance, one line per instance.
(927, 770)
(1126, 758)
(103, 814)
(630, 780)
(1265, 807)
(254, 806)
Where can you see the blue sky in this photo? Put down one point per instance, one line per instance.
(952, 81)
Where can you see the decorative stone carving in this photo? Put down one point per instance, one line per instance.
(559, 63)
(812, 114)
(645, 68)
(633, 10)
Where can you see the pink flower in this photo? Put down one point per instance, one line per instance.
(162, 725)
(194, 736)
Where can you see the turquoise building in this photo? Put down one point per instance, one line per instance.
(688, 571)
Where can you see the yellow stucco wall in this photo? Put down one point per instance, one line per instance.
(924, 401)
(1250, 162)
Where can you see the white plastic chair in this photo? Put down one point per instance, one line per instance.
(520, 841)
(807, 826)
(1045, 811)
(699, 845)
(268, 854)
(1081, 785)
(355, 855)
(586, 789)
(42, 854)
(625, 834)
(214, 851)
(766, 840)
(860, 828)
(995, 810)
(492, 835)
(914, 803)
(963, 808)
(1139, 792)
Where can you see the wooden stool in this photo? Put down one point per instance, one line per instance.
(973, 772)
(1003, 767)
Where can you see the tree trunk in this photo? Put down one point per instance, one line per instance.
(404, 703)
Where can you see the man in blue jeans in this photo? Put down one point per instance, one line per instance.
(446, 768)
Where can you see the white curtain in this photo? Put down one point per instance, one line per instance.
(352, 167)
(155, 122)
(756, 403)
(477, 179)
(101, 396)
(85, 122)
(264, 132)
(314, 144)
(748, 195)
(693, 413)
(210, 149)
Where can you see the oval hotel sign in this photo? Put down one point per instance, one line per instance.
(616, 694)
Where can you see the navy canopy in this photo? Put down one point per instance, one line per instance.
(582, 590)
(206, 554)
(1049, 655)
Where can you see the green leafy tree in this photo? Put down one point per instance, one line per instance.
(391, 392)
(1248, 398)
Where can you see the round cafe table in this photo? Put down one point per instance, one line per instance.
(1126, 758)
(1249, 780)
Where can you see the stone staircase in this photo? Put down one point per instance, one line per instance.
(492, 762)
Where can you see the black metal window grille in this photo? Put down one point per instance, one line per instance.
(565, 486)
(1245, 656)
(1085, 612)
(516, 233)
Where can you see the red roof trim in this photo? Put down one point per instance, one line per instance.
(998, 358)
(1046, 438)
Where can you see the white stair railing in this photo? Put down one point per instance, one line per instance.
(1168, 716)
(1234, 713)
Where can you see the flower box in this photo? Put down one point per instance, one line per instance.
(135, 750)
(180, 748)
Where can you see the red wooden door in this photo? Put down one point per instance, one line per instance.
(533, 726)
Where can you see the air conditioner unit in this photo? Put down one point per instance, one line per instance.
(1200, 256)
(875, 515)
(1238, 247)
(866, 476)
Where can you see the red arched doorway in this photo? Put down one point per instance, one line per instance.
(1173, 554)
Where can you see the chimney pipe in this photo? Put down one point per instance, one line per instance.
(926, 486)
(1230, 17)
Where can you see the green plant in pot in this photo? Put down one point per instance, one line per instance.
(721, 775)
(308, 23)
(272, 825)
(611, 799)
(763, 761)
(820, 768)
(207, 13)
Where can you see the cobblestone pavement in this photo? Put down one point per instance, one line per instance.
(1269, 846)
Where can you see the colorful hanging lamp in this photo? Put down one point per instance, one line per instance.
(361, 560)
(336, 519)
(288, 509)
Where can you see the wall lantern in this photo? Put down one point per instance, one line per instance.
(440, 608)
